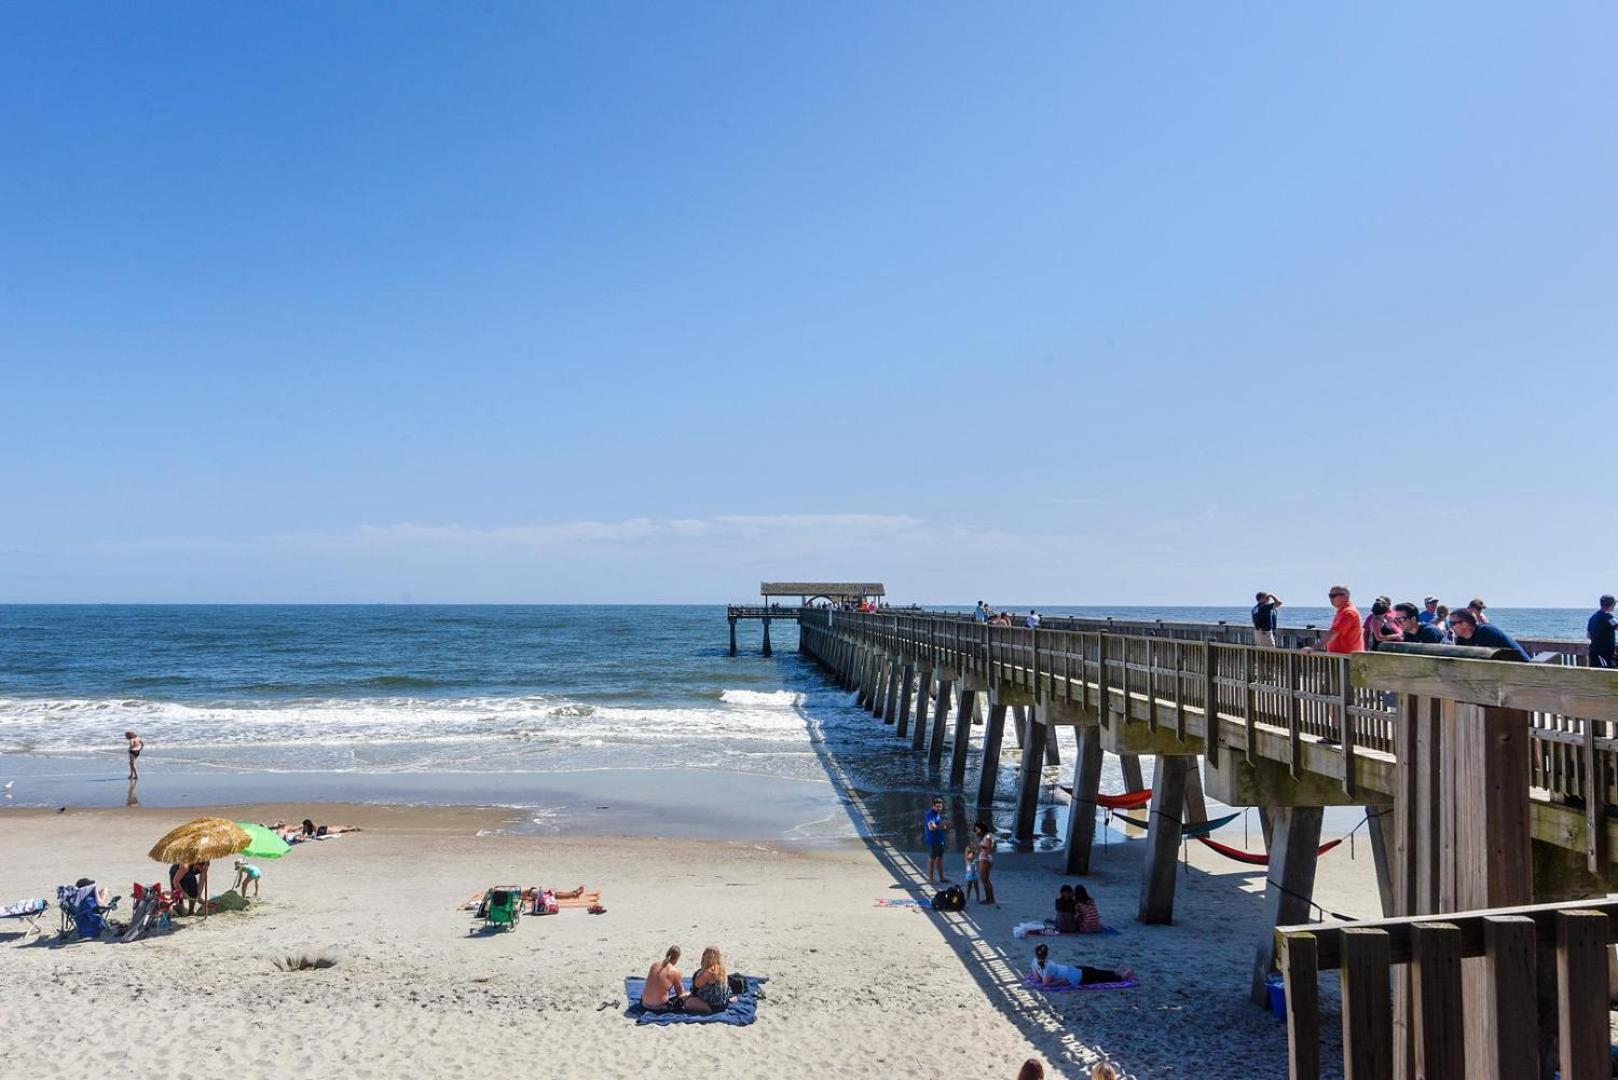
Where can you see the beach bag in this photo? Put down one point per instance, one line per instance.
(950, 899)
(737, 983)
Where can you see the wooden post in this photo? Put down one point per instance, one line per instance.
(879, 685)
(1299, 965)
(963, 736)
(1436, 985)
(767, 650)
(924, 689)
(1367, 1006)
(1129, 765)
(1081, 810)
(862, 678)
(994, 731)
(733, 636)
(935, 749)
(1196, 805)
(1162, 862)
(1581, 986)
(1028, 778)
(1509, 954)
(907, 686)
(1290, 885)
(1053, 756)
(1376, 823)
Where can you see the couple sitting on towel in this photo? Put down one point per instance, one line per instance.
(1047, 974)
(665, 986)
(1076, 912)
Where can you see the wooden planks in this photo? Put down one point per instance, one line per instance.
(1508, 942)
(1581, 987)
(1303, 1007)
(1367, 1006)
(1436, 982)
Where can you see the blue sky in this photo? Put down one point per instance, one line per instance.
(1068, 303)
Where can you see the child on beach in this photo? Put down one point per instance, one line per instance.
(246, 874)
(972, 869)
(135, 747)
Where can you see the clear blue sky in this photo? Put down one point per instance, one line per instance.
(1064, 302)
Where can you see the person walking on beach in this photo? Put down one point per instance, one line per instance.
(135, 747)
(1264, 619)
(1346, 635)
(1468, 631)
(985, 861)
(1602, 630)
(934, 832)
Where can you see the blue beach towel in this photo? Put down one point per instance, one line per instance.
(1049, 932)
(743, 1007)
(1066, 987)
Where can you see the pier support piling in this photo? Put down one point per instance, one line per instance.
(767, 650)
(1290, 885)
(1081, 811)
(1130, 765)
(935, 749)
(733, 637)
(924, 690)
(907, 682)
(890, 700)
(1162, 862)
(1053, 754)
(879, 686)
(963, 735)
(994, 731)
(1029, 777)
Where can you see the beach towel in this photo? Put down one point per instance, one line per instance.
(1063, 988)
(743, 1007)
(1051, 931)
(913, 905)
(22, 909)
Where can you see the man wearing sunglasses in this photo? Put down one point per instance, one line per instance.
(1345, 635)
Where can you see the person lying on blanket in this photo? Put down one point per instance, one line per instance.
(1047, 974)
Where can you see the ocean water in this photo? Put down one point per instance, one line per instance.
(626, 718)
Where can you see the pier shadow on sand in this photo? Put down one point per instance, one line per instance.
(1190, 1012)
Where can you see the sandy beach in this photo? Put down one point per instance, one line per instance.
(856, 989)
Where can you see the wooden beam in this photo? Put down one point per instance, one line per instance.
(1581, 986)
(1552, 688)
(907, 686)
(1303, 1008)
(1367, 1007)
(935, 749)
(1440, 1032)
(1328, 935)
(1028, 781)
(924, 689)
(890, 700)
(1513, 1049)
(963, 736)
(1161, 865)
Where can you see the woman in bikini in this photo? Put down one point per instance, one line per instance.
(136, 745)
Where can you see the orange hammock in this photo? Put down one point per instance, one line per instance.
(1255, 858)
(1129, 800)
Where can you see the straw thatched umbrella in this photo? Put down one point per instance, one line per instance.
(201, 840)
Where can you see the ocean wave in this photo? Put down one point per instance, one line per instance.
(778, 698)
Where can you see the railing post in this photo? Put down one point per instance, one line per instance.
(1367, 1006)
(1299, 962)
(1294, 715)
(1249, 705)
(1347, 736)
(1581, 991)
(1210, 702)
(1435, 981)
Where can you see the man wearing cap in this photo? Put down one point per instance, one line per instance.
(1429, 614)
(1264, 619)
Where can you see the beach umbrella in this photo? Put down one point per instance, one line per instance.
(201, 840)
(265, 844)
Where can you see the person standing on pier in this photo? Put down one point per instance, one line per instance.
(1602, 630)
(1033, 619)
(934, 831)
(982, 613)
(1422, 633)
(1264, 619)
(1346, 634)
(1429, 613)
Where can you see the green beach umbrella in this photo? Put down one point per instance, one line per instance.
(265, 844)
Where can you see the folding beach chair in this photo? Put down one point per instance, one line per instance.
(83, 913)
(152, 907)
(28, 913)
(502, 906)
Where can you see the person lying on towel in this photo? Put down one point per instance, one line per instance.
(1047, 974)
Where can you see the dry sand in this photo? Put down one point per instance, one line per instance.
(856, 990)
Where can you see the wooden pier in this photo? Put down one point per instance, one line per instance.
(1489, 783)
(832, 593)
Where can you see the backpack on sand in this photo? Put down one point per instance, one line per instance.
(950, 899)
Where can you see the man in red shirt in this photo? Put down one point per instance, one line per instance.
(1346, 634)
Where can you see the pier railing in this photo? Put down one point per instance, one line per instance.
(1492, 1031)
(1166, 675)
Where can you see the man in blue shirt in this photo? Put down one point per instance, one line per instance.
(1602, 630)
(934, 833)
(1414, 629)
(982, 613)
(1428, 616)
(1468, 631)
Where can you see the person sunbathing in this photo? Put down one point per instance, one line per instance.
(310, 829)
(665, 986)
(1047, 974)
(710, 986)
